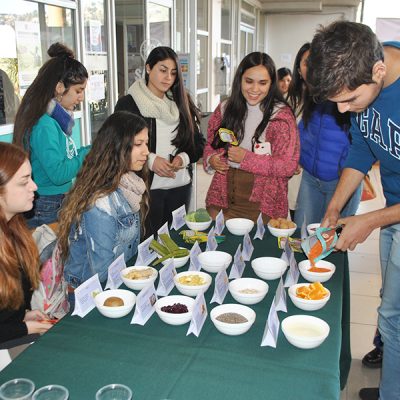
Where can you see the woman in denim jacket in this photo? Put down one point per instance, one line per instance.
(102, 215)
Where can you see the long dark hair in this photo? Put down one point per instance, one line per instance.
(236, 106)
(62, 67)
(101, 172)
(189, 116)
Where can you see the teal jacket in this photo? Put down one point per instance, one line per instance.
(54, 158)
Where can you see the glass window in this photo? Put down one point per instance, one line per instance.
(202, 15)
(180, 45)
(248, 20)
(226, 20)
(202, 63)
(249, 8)
(160, 23)
(202, 101)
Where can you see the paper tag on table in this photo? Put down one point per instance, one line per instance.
(221, 287)
(238, 265)
(271, 331)
(194, 257)
(219, 223)
(260, 228)
(163, 229)
(199, 315)
(211, 241)
(145, 254)
(284, 257)
(304, 233)
(293, 275)
(166, 280)
(145, 301)
(178, 218)
(280, 297)
(85, 294)
(114, 279)
(248, 248)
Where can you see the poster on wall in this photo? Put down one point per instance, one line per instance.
(97, 89)
(184, 61)
(388, 29)
(95, 36)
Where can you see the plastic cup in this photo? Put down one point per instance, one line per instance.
(114, 391)
(51, 392)
(17, 389)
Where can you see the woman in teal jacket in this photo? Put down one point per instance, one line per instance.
(43, 127)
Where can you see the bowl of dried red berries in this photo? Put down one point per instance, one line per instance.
(175, 310)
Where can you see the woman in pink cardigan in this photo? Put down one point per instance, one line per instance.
(252, 177)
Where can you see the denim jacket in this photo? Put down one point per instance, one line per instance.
(107, 230)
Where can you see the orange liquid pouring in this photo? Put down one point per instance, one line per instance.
(318, 269)
(315, 251)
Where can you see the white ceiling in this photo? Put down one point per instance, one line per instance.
(301, 5)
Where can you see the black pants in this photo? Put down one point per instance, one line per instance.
(162, 203)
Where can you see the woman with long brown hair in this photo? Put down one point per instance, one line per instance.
(19, 258)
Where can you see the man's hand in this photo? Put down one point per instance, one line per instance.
(218, 163)
(163, 168)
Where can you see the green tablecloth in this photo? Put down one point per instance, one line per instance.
(158, 361)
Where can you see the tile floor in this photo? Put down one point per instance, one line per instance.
(365, 282)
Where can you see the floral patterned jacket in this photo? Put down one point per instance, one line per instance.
(271, 172)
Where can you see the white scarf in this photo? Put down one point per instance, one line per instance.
(151, 106)
(132, 187)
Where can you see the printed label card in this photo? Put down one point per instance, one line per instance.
(280, 297)
(194, 257)
(248, 248)
(163, 229)
(221, 287)
(178, 218)
(114, 279)
(145, 254)
(145, 301)
(211, 241)
(293, 275)
(271, 331)
(199, 315)
(238, 265)
(85, 294)
(219, 223)
(166, 280)
(260, 228)
(284, 257)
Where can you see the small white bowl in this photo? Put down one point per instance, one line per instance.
(239, 226)
(138, 284)
(304, 304)
(198, 226)
(316, 276)
(312, 228)
(174, 319)
(269, 268)
(214, 261)
(127, 296)
(305, 331)
(192, 290)
(178, 262)
(233, 329)
(281, 232)
(237, 285)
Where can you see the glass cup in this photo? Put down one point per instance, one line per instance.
(51, 392)
(114, 391)
(17, 389)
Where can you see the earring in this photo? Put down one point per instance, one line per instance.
(59, 98)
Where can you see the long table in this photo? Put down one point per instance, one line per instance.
(158, 361)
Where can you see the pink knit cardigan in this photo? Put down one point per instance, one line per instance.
(271, 172)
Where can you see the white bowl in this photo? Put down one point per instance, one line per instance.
(192, 290)
(281, 232)
(312, 228)
(305, 331)
(214, 261)
(233, 329)
(138, 284)
(178, 262)
(269, 268)
(127, 296)
(198, 226)
(316, 276)
(304, 304)
(239, 226)
(174, 319)
(237, 285)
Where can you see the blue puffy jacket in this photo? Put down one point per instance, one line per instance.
(324, 144)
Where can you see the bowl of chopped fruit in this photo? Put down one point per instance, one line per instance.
(322, 271)
(309, 297)
(138, 277)
(248, 290)
(191, 283)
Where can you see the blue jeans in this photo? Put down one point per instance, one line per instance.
(314, 197)
(389, 312)
(45, 210)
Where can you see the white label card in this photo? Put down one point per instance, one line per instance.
(178, 218)
(145, 301)
(163, 229)
(211, 241)
(248, 248)
(194, 257)
(114, 280)
(85, 294)
(293, 275)
(238, 265)
(199, 315)
(166, 281)
(221, 287)
(260, 228)
(145, 254)
(280, 297)
(271, 331)
(219, 223)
